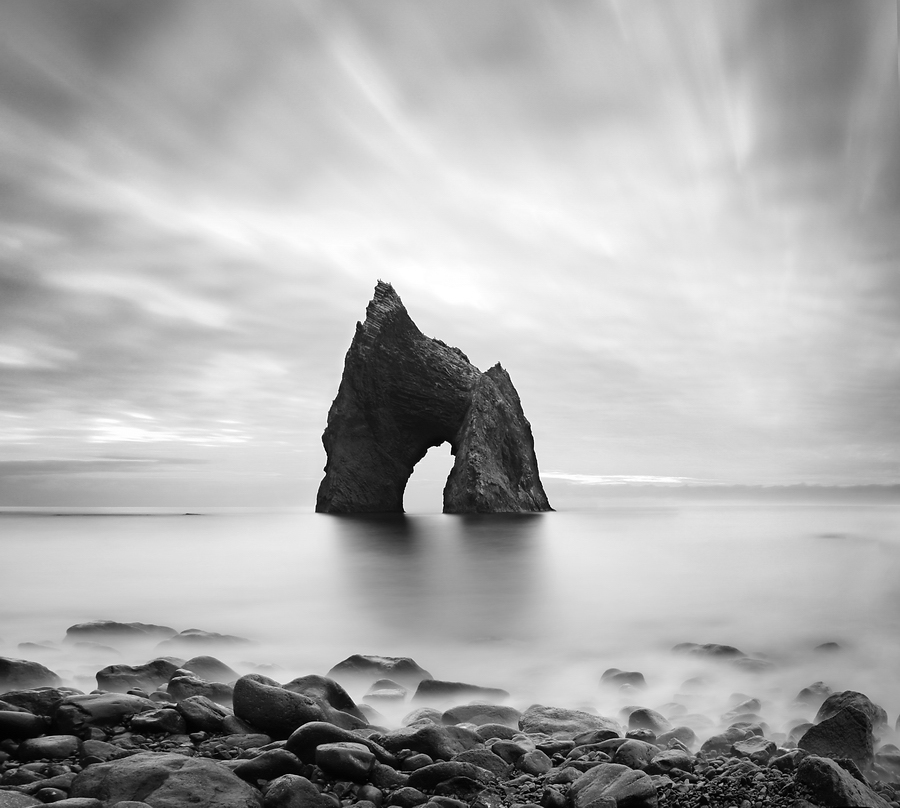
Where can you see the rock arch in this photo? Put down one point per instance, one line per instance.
(402, 393)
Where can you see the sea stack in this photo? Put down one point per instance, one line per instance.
(402, 393)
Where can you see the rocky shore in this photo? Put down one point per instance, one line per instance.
(191, 733)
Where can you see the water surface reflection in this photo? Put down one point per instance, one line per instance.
(443, 577)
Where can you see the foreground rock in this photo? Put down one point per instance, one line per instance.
(846, 734)
(166, 780)
(367, 668)
(265, 704)
(831, 785)
(112, 750)
(610, 784)
(402, 393)
(16, 674)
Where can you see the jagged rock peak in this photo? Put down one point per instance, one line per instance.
(402, 393)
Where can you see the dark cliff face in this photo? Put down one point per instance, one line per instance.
(402, 393)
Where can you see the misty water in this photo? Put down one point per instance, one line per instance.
(538, 604)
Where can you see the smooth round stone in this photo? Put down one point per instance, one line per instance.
(414, 762)
(534, 762)
(21, 725)
(422, 715)
(644, 718)
(509, 751)
(48, 747)
(13, 799)
(756, 748)
(369, 793)
(165, 721)
(407, 797)
(611, 781)
(671, 759)
(488, 731)
(616, 678)
(642, 734)
(166, 779)
(268, 765)
(429, 776)
(485, 759)
(210, 669)
(46, 795)
(635, 754)
(345, 760)
(294, 791)
(685, 735)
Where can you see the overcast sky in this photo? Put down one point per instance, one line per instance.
(676, 224)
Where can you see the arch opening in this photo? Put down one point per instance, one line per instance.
(424, 491)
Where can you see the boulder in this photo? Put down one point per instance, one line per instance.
(93, 751)
(19, 725)
(402, 393)
(111, 630)
(149, 676)
(386, 692)
(13, 799)
(202, 714)
(663, 762)
(836, 702)
(325, 690)
(185, 684)
(294, 791)
(606, 781)
(436, 691)
(422, 715)
(815, 694)
(832, 786)
(439, 743)
(846, 734)
(264, 704)
(164, 721)
(366, 668)
(166, 781)
(39, 700)
(683, 734)
(19, 674)
(48, 747)
(428, 777)
(613, 677)
(345, 760)
(269, 765)
(74, 715)
(756, 748)
(488, 731)
(484, 759)
(305, 740)
(194, 638)
(635, 754)
(534, 762)
(482, 714)
(558, 720)
(644, 718)
(210, 669)
(709, 650)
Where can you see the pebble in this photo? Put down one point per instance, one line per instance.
(320, 754)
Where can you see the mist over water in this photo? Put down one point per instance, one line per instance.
(539, 605)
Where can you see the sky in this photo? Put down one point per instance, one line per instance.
(674, 223)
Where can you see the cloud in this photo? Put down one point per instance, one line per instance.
(677, 230)
(93, 465)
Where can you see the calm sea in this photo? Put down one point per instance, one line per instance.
(540, 605)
